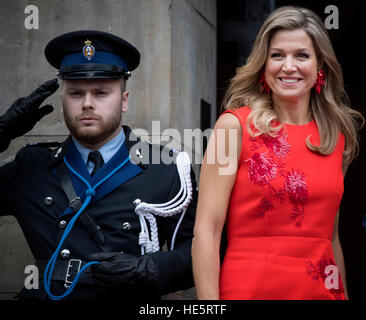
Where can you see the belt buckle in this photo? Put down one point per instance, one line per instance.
(69, 271)
(75, 203)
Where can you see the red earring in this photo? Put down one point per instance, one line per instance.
(264, 84)
(320, 82)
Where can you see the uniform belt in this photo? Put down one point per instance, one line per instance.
(66, 271)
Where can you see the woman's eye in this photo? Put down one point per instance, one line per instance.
(102, 93)
(75, 93)
(303, 55)
(275, 55)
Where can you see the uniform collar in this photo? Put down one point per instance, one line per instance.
(107, 151)
(129, 140)
(58, 154)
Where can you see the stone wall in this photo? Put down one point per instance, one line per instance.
(177, 41)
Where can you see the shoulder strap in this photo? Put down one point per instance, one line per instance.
(85, 218)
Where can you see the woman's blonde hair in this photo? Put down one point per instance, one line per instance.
(330, 108)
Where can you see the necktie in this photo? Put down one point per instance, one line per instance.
(96, 158)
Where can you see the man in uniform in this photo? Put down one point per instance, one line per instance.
(79, 203)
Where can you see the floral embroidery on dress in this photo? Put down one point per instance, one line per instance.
(278, 145)
(265, 205)
(265, 166)
(295, 186)
(262, 169)
(316, 271)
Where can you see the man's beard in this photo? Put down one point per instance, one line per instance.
(91, 137)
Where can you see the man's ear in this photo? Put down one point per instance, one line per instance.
(125, 95)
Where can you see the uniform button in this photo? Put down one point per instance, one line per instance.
(126, 226)
(48, 201)
(62, 224)
(65, 253)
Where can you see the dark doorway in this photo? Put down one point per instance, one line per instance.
(238, 24)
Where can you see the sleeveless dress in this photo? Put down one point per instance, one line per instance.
(280, 218)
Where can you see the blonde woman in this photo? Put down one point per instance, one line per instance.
(294, 137)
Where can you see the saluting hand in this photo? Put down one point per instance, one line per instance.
(25, 112)
(119, 270)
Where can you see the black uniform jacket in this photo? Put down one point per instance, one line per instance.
(31, 191)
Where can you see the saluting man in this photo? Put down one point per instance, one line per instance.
(95, 209)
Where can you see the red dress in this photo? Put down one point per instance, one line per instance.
(281, 216)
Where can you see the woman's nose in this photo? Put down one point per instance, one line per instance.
(289, 65)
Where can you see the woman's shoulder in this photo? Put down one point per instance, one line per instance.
(228, 120)
(242, 111)
(233, 115)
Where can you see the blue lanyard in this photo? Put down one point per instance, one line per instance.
(90, 192)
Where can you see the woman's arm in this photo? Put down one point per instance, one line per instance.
(338, 254)
(336, 244)
(217, 178)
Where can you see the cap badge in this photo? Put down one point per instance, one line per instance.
(88, 50)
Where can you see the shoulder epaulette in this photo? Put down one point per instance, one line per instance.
(172, 151)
